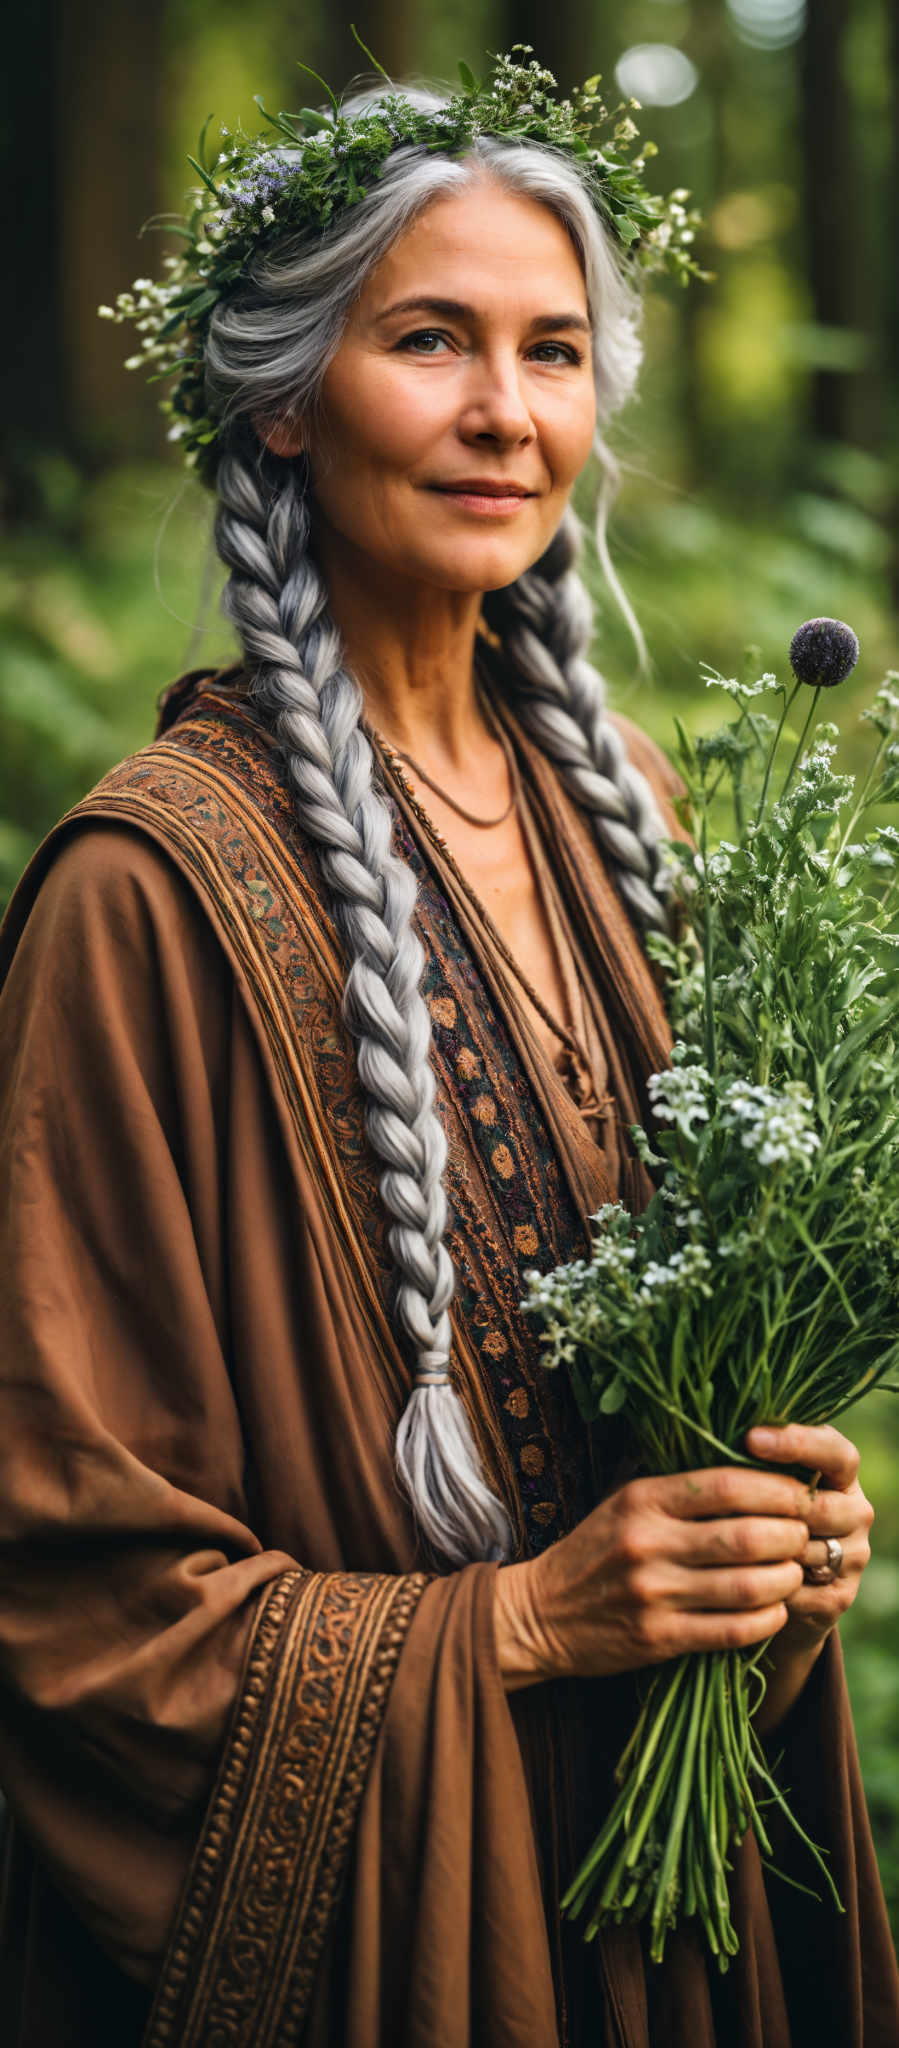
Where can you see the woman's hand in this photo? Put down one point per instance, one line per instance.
(836, 1507)
(704, 1560)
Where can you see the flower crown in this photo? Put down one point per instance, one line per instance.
(257, 190)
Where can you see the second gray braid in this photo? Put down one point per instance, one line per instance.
(545, 623)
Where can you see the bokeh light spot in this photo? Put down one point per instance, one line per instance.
(656, 74)
(768, 24)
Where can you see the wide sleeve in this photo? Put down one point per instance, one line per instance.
(201, 1727)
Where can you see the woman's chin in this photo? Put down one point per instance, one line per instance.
(469, 569)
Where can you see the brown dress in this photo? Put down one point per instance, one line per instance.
(265, 1785)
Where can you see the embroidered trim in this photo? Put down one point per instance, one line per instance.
(267, 1869)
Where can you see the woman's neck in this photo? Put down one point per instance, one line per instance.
(412, 647)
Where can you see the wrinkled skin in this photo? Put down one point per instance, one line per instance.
(699, 1561)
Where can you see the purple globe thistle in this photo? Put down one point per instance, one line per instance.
(823, 652)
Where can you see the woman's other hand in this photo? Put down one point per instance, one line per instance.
(836, 1507)
(705, 1560)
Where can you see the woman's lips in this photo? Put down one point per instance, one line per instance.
(483, 501)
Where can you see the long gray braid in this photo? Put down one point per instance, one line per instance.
(545, 623)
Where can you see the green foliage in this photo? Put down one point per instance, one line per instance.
(761, 1284)
(89, 642)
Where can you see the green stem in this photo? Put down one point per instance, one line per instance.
(667, 1886)
(659, 1784)
(774, 746)
(708, 953)
(724, 766)
(726, 1707)
(802, 739)
(859, 807)
(772, 1786)
(654, 1737)
(691, 1896)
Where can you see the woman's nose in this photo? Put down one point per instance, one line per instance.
(496, 402)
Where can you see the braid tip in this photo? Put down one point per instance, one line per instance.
(439, 1467)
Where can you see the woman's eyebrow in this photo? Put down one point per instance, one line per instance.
(456, 309)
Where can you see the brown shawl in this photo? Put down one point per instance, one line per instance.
(263, 1773)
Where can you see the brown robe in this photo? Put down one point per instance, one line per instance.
(265, 1785)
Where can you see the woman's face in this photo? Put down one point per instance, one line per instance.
(485, 379)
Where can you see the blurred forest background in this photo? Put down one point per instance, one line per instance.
(761, 462)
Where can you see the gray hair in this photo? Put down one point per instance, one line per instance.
(268, 350)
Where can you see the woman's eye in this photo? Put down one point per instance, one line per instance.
(564, 350)
(423, 334)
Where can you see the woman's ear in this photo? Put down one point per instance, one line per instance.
(283, 437)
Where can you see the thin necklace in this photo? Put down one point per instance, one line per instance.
(483, 824)
(391, 754)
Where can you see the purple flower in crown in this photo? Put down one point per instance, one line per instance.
(823, 652)
(263, 182)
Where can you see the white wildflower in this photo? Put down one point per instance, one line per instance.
(778, 1128)
(681, 1096)
(683, 1270)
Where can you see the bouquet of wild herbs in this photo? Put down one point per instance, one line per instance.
(762, 1282)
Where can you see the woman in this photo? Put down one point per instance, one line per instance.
(324, 1018)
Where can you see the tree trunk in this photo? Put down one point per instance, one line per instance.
(321, 36)
(110, 127)
(565, 38)
(891, 307)
(30, 335)
(710, 45)
(830, 203)
(393, 33)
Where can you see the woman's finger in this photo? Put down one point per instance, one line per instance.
(856, 1552)
(819, 1447)
(725, 1490)
(735, 1590)
(705, 1631)
(740, 1539)
(832, 1513)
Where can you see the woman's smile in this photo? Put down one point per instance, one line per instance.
(487, 499)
